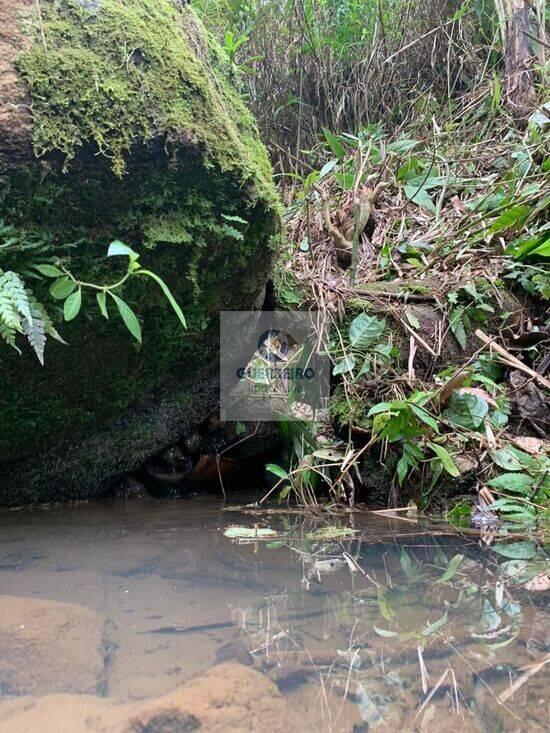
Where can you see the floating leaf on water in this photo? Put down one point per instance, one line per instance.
(248, 532)
(331, 533)
(385, 632)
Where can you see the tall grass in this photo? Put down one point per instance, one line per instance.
(344, 64)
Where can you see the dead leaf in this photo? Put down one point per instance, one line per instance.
(454, 383)
(479, 393)
(531, 445)
(458, 206)
(539, 583)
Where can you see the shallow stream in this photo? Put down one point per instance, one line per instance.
(362, 623)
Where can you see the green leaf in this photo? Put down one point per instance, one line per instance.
(248, 532)
(425, 417)
(334, 144)
(102, 303)
(452, 567)
(328, 168)
(284, 492)
(234, 218)
(420, 196)
(445, 458)
(466, 410)
(365, 329)
(380, 407)
(520, 483)
(365, 369)
(384, 632)
(344, 366)
(543, 250)
(386, 610)
(402, 469)
(436, 625)
(230, 231)
(49, 270)
(456, 322)
(401, 146)
(72, 305)
(277, 470)
(128, 316)
(62, 288)
(406, 563)
(411, 318)
(117, 248)
(516, 550)
(506, 459)
(169, 297)
(513, 217)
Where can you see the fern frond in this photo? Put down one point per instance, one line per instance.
(36, 334)
(7, 333)
(43, 315)
(21, 312)
(13, 291)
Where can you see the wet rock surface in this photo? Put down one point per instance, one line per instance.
(229, 697)
(46, 647)
(105, 407)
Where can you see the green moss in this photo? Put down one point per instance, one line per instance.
(348, 409)
(131, 72)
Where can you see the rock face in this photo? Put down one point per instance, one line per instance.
(118, 120)
(229, 697)
(48, 647)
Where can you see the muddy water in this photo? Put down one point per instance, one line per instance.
(364, 624)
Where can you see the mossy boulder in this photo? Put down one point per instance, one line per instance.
(119, 120)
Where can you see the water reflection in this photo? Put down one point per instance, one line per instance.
(371, 623)
(414, 629)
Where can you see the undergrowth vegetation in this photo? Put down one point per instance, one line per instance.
(413, 160)
(436, 301)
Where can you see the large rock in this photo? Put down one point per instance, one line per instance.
(119, 120)
(229, 697)
(48, 647)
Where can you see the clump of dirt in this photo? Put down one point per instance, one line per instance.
(46, 647)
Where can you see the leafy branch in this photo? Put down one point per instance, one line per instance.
(21, 312)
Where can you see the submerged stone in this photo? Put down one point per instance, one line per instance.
(48, 647)
(118, 120)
